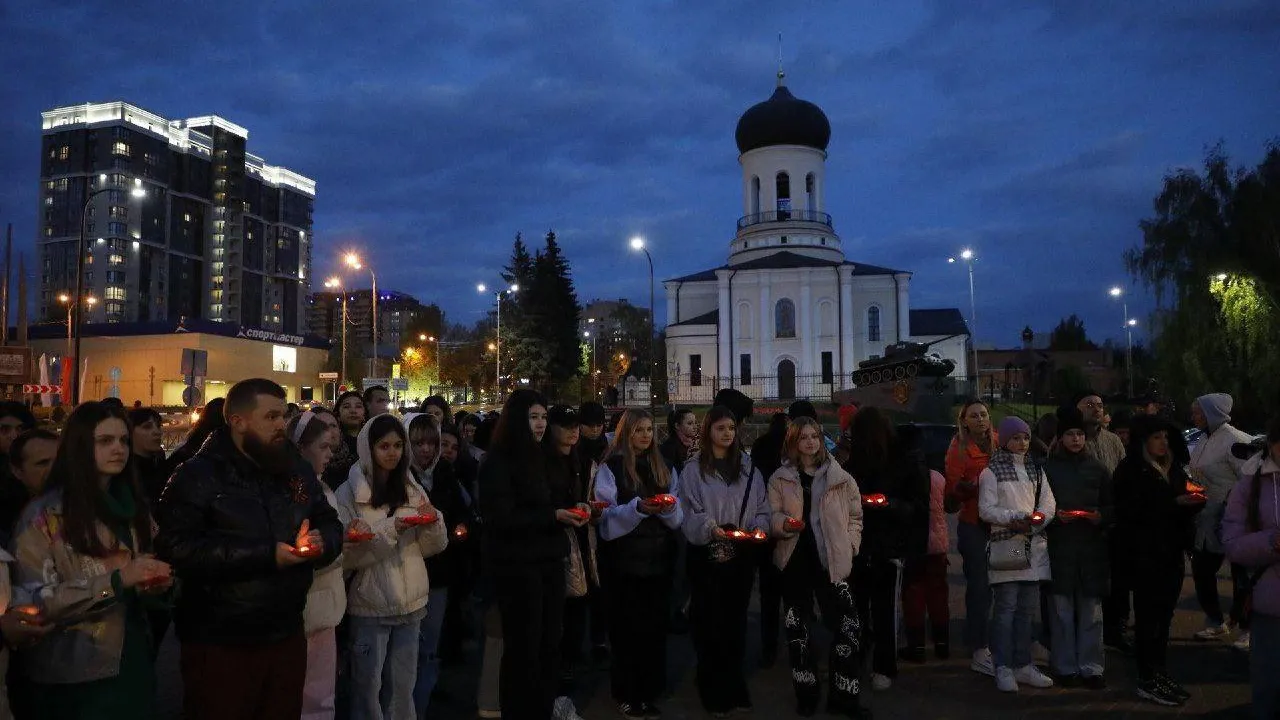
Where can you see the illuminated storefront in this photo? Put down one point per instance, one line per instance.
(143, 361)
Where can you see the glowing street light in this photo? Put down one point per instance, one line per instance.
(637, 244)
(1117, 292)
(497, 348)
(353, 261)
(138, 191)
(968, 257)
(335, 284)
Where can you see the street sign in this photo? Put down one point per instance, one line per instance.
(42, 389)
(400, 384)
(192, 396)
(328, 376)
(367, 383)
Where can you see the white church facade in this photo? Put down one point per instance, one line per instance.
(788, 316)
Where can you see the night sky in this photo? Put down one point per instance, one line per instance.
(1036, 133)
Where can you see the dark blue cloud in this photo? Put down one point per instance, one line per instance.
(1036, 133)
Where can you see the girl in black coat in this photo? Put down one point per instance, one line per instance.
(1154, 514)
(524, 550)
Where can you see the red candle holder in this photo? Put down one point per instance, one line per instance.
(875, 500)
(759, 535)
(1198, 497)
(415, 520)
(738, 534)
(793, 525)
(1194, 489)
(664, 500)
(354, 536)
(1037, 518)
(31, 615)
(306, 551)
(1075, 514)
(580, 513)
(599, 505)
(461, 531)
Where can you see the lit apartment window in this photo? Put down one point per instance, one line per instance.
(186, 217)
(115, 308)
(120, 148)
(115, 259)
(119, 211)
(114, 293)
(63, 152)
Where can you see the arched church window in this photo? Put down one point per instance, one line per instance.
(755, 195)
(873, 324)
(782, 184)
(811, 192)
(784, 319)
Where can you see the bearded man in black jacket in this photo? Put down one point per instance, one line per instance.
(244, 529)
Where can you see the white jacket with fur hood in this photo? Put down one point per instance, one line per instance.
(390, 570)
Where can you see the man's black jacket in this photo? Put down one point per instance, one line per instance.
(220, 518)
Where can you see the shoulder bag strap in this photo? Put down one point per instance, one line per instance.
(746, 494)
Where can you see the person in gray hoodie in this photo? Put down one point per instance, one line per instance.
(1251, 535)
(723, 492)
(1215, 469)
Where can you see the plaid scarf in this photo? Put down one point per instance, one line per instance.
(1002, 466)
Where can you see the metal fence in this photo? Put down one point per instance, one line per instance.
(692, 389)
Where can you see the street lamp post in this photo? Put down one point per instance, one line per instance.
(637, 243)
(336, 283)
(353, 261)
(497, 350)
(136, 192)
(1117, 292)
(968, 257)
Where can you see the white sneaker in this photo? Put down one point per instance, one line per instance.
(1005, 681)
(1242, 642)
(1213, 632)
(564, 709)
(1039, 653)
(1031, 675)
(982, 662)
(881, 682)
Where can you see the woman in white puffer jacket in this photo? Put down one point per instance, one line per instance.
(387, 598)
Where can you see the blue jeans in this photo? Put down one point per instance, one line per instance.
(1017, 604)
(428, 643)
(1264, 665)
(972, 540)
(384, 667)
(1077, 635)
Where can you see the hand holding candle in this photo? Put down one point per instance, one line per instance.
(24, 625)
(1037, 518)
(461, 532)
(359, 531)
(792, 525)
(875, 500)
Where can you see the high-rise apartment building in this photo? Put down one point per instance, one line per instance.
(220, 234)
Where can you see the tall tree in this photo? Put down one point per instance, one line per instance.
(1213, 249)
(1070, 335)
(558, 312)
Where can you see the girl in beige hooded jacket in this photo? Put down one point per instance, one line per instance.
(387, 598)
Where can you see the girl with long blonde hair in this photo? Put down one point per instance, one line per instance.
(638, 527)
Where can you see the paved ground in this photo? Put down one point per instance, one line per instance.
(1216, 674)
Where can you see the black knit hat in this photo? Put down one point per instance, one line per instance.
(1069, 418)
(802, 408)
(737, 402)
(591, 413)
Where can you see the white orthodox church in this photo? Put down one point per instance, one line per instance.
(789, 316)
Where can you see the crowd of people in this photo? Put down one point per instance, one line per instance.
(329, 561)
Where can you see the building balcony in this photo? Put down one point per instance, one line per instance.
(773, 216)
